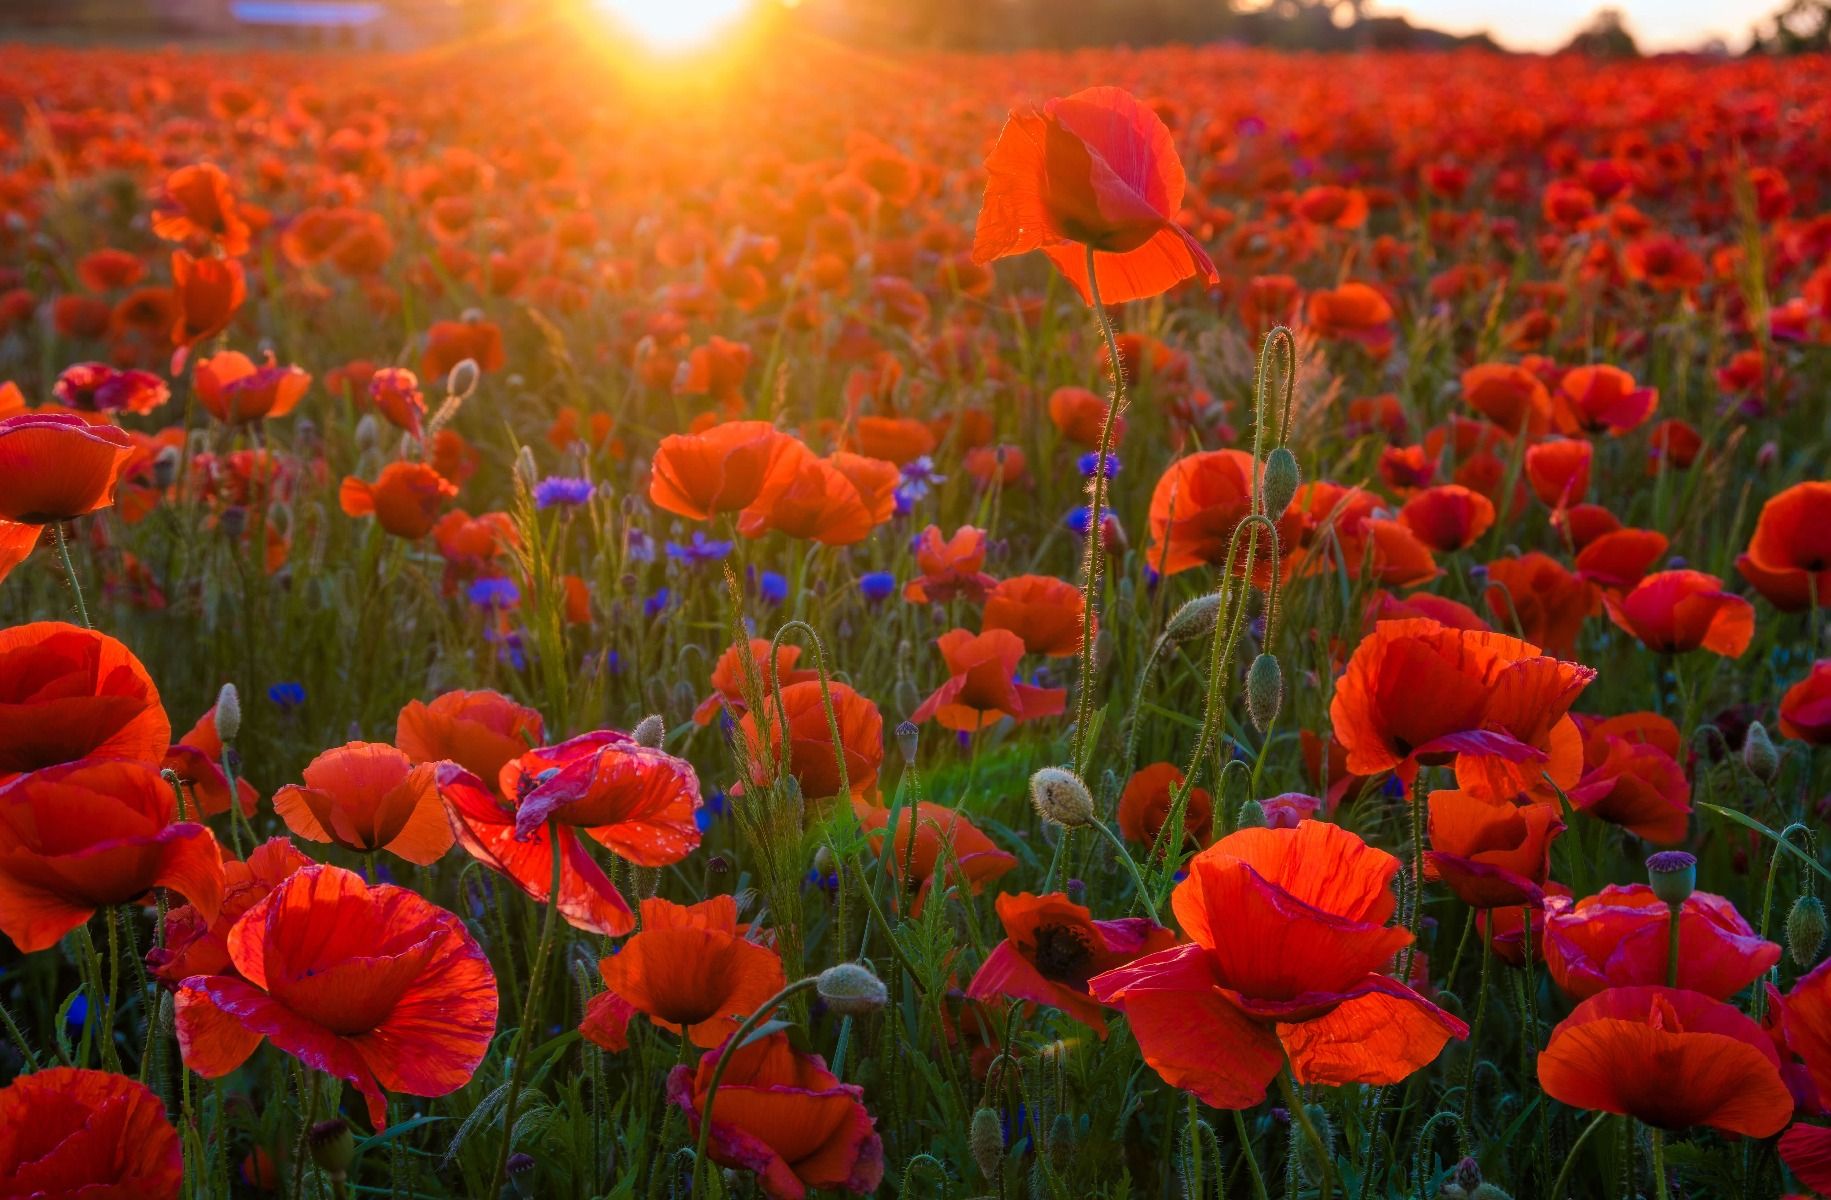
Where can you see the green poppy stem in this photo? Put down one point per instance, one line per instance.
(724, 1059)
(530, 1012)
(1096, 542)
(76, 587)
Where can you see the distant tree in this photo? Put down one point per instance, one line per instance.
(1802, 27)
(1606, 36)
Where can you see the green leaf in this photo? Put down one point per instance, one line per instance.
(1744, 819)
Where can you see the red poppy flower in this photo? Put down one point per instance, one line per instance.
(195, 946)
(1805, 710)
(1491, 854)
(66, 1132)
(783, 1115)
(208, 292)
(1505, 928)
(87, 835)
(196, 205)
(1674, 612)
(1673, 442)
(728, 677)
(1053, 946)
(1080, 415)
(236, 391)
(1618, 938)
(55, 466)
(371, 984)
(98, 387)
(733, 466)
(819, 503)
(1354, 312)
(108, 269)
(810, 742)
(1806, 1151)
(196, 758)
(980, 689)
(1288, 938)
(693, 970)
(1416, 692)
(1096, 169)
(1195, 507)
(1559, 471)
(68, 693)
(949, 566)
(368, 796)
(898, 440)
(1448, 518)
(1619, 558)
(1601, 398)
(406, 499)
(1510, 396)
(1544, 602)
(1669, 1057)
(449, 343)
(636, 801)
(1384, 606)
(1789, 556)
(481, 731)
(1144, 806)
(484, 824)
(949, 850)
(1632, 777)
(17, 541)
(1045, 612)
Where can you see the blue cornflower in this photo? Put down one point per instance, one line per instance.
(1077, 518)
(657, 604)
(1090, 461)
(772, 586)
(877, 586)
(494, 593)
(918, 477)
(700, 549)
(561, 489)
(287, 695)
(639, 546)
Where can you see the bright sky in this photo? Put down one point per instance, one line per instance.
(1547, 24)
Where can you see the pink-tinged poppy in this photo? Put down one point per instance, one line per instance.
(1632, 777)
(1505, 928)
(92, 834)
(1618, 938)
(980, 691)
(236, 391)
(371, 984)
(783, 1115)
(1288, 944)
(1806, 1151)
(949, 850)
(68, 693)
(1669, 1057)
(73, 1134)
(196, 946)
(1096, 170)
(55, 466)
(1053, 946)
(481, 731)
(368, 796)
(1675, 612)
(949, 566)
(693, 969)
(1805, 710)
(196, 758)
(98, 387)
(1491, 854)
(634, 800)
(484, 823)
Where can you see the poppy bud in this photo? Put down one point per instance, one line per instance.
(907, 697)
(521, 1174)
(1673, 874)
(462, 380)
(650, 731)
(1061, 1141)
(1194, 619)
(987, 1141)
(524, 467)
(1805, 930)
(368, 433)
(333, 1147)
(908, 735)
(165, 467)
(1252, 816)
(1758, 753)
(228, 713)
(851, 990)
(1264, 691)
(823, 861)
(1278, 485)
(1061, 798)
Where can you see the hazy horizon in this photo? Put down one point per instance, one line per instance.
(1657, 25)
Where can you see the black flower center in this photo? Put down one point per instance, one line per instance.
(1064, 954)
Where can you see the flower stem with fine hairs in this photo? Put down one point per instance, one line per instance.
(76, 587)
(1301, 1116)
(1096, 542)
(724, 1059)
(1252, 1160)
(530, 1012)
(1481, 1012)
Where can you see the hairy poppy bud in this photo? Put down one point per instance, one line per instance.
(1279, 483)
(987, 1141)
(462, 380)
(1194, 619)
(1758, 753)
(823, 860)
(1264, 691)
(1805, 930)
(228, 713)
(851, 990)
(1252, 816)
(333, 1147)
(1061, 798)
(1673, 874)
(650, 731)
(1061, 1141)
(908, 736)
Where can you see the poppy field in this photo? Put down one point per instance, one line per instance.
(1188, 622)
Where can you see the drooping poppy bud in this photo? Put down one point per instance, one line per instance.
(850, 989)
(1264, 691)
(1194, 619)
(1061, 798)
(1805, 930)
(987, 1141)
(1279, 484)
(1758, 753)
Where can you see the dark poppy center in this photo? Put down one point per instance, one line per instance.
(1064, 954)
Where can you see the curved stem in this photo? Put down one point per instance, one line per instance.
(1481, 1012)
(76, 587)
(1299, 1114)
(530, 1012)
(1125, 856)
(1252, 1160)
(724, 1059)
(1570, 1156)
(1096, 541)
(18, 1038)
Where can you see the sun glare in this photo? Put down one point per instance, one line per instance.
(674, 26)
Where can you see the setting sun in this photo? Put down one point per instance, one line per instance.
(675, 25)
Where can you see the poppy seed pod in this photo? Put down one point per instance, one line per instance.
(333, 1147)
(1264, 691)
(650, 731)
(987, 1141)
(1805, 930)
(851, 989)
(1758, 753)
(228, 713)
(1061, 798)
(908, 736)
(1279, 484)
(1673, 876)
(1194, 619)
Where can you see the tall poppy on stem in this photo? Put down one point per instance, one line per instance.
(693, 970)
